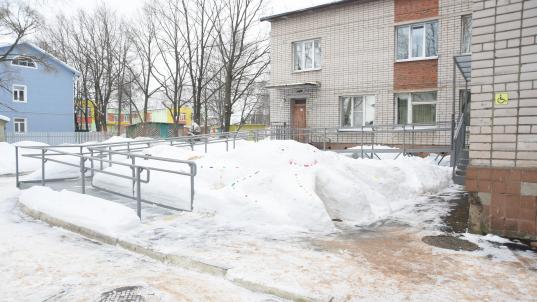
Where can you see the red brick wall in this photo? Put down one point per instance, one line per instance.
(508, 212)
(408, 10)
(415, 74)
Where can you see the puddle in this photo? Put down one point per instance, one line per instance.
(450, 243)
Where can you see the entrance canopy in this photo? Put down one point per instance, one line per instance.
(295, 85)
(464, 63)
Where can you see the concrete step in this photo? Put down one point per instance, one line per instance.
(460, 172)
(458, 179)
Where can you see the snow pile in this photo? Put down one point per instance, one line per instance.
(7, 157)
(94, 213)
(285, 184)
(364, 191)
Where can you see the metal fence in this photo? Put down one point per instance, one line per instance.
(58, 138)
(365, 142)
(102, 155)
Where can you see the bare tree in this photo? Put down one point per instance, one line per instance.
(91, 42)
(16, 22)
(124, 79)
(172, 70)
(243, 56)
(143, 36)
(61, 39)
(198, 32)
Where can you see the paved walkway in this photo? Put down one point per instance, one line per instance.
(387, 261)
(40, 263)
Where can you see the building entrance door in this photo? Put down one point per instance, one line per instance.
(299, 120)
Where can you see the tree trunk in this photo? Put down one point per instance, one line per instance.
(228, 106)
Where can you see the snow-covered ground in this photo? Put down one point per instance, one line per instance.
(40, 263)
(265, 212)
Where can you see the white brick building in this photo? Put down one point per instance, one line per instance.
(352, 53)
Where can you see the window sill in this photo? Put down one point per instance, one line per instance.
(415, 127)
(20, 102)
(395, 128)
(416, 59)
(364, 129)
(306, 70)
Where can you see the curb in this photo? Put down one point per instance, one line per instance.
(180, 261)
(260, 288)
(177, 260)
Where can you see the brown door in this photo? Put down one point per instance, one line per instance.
(299, 120)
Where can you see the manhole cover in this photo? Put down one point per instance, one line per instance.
(123, 294)
(450, 242)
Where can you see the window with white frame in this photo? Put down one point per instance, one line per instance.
(307, 55)
(24, 61)
(417, 41)
(19, 93)
(19, 125)
(416, 108)
(357, 111)
(466, 38)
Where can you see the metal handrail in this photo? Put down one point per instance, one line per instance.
(104, 152)
(136, 177)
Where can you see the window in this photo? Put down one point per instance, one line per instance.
(357, 111)
(466, 39)
(417, 41)
(416, 108)
(306, 55)
(19, 125)
(19, 93)
(24, 61)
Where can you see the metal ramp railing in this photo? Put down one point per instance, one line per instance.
(92, 159)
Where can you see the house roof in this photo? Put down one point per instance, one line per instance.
(58, 61)
(4, 118)
(305, 10)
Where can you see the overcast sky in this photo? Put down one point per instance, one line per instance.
(128, 7)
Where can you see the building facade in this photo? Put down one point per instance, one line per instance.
(502, 176)
(39, 92)
(3, 121)
(354, 64)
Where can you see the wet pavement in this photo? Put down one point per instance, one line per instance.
(384, 261)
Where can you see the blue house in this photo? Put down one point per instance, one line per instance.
(36, 90)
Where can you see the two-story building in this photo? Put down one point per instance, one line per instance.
(38, 92)
(355, 64)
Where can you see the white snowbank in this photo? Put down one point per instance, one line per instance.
(97, 214)
(364, 191)
(286, 184)
(7, 157)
